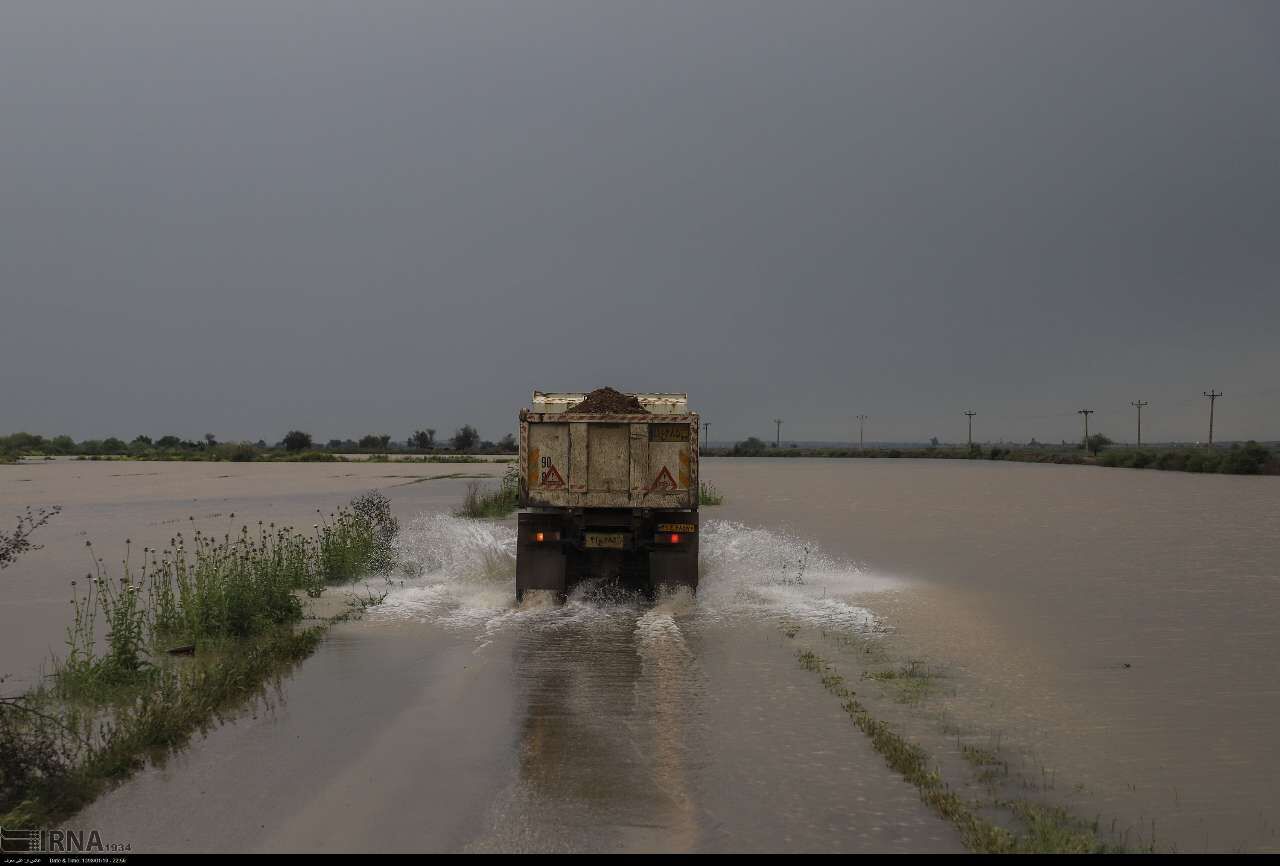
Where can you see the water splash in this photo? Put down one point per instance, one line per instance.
(460, 573)
(749, 571)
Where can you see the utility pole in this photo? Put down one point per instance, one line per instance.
(862, 419)
(971, 413)
(706, 434)
(777, 438)
(1086, 413)
(1213, 397)
(1139, 404)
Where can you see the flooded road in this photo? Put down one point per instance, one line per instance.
(1114, 633)
(449, 719)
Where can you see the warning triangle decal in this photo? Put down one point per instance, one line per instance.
(664, 481)
(551, 478)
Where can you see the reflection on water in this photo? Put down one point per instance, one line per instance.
(627, 742)
(604, 745)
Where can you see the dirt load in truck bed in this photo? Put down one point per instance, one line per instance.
(606, 401)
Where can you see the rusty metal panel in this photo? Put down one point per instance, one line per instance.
(546, 462)
(608, 458)
(579, 466)
(609, 461)
(639, 458)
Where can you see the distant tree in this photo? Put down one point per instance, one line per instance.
(112, 445)
(750, 445)
(371, 440)
(508, 443)
(384, 439)
(423, 440)
(168, 442)
(933, 442)
(18, 443)
(140, 443)
(1098, 442)
(210, 439)
(333, 444)
(62, 444)
(465, 438)
(296, 440)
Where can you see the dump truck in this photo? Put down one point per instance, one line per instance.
(609, 496)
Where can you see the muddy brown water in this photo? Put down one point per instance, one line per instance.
(1114, 633)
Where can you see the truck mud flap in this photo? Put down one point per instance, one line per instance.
(539, 565)
(675, 567)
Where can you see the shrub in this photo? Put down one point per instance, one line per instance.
(502, 502)
(13, 545)
(375, 508)
(708, 495)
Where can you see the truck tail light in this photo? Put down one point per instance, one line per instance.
(675, 538)
(545, 535)
(667, 538)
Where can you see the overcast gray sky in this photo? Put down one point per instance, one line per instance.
(245, 217)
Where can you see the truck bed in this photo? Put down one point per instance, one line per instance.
(644, 460)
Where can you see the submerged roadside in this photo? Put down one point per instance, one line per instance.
(165, 649)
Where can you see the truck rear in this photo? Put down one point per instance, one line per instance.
(609, 496)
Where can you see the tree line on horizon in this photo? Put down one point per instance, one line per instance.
(1237, 458)
(465, 440)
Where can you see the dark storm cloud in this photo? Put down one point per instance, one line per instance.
(246, 217)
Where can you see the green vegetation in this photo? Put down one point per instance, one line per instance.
(158, 654)
(1247, 459)
(709, 495)
(1044, 829)
(496, 503)
(1250, 458)
(910, 683)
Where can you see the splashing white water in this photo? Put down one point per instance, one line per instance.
(748, 571)
(460, 573)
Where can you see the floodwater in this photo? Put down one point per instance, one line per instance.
(1113, 633)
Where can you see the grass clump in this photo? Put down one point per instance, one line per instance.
(709, 495)
(162, 651)
(910, 683)
(488, 503)
(59, 755)
(1046, 829)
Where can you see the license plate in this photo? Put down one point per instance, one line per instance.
(677, 527)
(605, 539)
